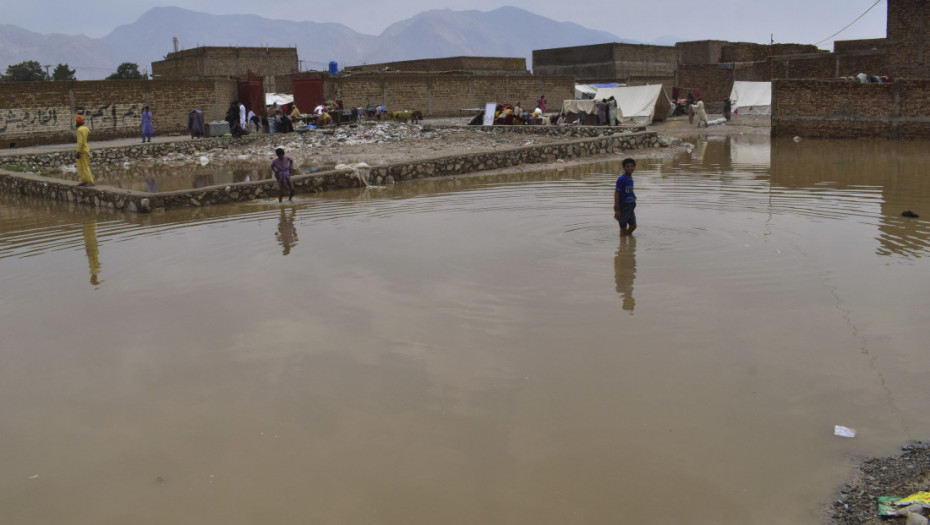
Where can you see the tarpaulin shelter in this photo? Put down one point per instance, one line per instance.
(573, 108)
(584, 91)
(588, 91)
(752, 98)
(281, 99)
(641, 105)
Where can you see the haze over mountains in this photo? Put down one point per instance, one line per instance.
(507, 31)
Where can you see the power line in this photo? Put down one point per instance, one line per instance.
(851, 23)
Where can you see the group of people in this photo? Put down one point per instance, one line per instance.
(606, 111)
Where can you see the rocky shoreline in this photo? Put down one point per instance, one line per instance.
(856, 502)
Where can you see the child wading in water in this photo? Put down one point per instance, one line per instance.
(281, 169)
(625, 199)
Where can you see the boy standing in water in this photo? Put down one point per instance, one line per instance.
(281, 169)
(625, 199)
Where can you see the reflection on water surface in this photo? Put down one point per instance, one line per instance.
(477, 349)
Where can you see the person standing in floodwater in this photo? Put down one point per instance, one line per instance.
(281, 169)
(625, 199)
(83, 153)
(147, 129)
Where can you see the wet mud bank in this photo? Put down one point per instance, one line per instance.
(133, 201)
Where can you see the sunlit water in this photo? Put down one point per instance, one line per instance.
(473, 350)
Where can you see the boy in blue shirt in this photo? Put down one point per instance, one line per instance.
(625, 199)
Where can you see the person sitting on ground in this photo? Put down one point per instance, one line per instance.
(281, 170)
(295, 115)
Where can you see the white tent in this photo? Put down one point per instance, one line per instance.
(752, 98)
(641, 105)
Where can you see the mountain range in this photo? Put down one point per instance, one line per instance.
(506, 32)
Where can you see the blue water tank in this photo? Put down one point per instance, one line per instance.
(333, 68)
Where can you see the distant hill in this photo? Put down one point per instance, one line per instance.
(507, 31)
(90, 57)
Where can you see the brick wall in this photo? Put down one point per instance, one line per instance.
(43, 112)
(639, 64)
(226, 62)
(846, 46)
(483, 65)
(820, 65)
(714, 82)
(845, 109)
(907, 20)
(586, 63)
(445, 94)
(700, 51)
(870, 62)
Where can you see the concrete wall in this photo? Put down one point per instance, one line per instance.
(478, 65)
(845, 109)
(43, 112)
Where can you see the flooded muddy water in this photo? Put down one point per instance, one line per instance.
(474, 350)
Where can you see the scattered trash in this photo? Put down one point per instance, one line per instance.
(922, 498)
(796, 139)
(716, 121)
(69, 169)
(842, 431)
(909, 213)
(204, 160)
(34, 476)
(886, 505)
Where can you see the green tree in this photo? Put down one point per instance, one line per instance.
(126, 70)
(63, 73)
(27, 71)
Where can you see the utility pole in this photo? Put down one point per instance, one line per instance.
(47, 74)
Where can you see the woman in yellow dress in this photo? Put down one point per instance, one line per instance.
(83, 153)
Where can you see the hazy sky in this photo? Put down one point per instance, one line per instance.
(799, 21)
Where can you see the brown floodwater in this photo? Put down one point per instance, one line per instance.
(474, 350)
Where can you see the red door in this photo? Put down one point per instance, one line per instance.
(308, 93)
(252, 94)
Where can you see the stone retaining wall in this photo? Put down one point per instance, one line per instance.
(42, 162)
(116, 198)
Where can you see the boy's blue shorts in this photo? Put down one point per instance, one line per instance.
(627, 216)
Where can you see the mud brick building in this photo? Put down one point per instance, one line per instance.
(473, 65)
(227, 62)
(810, 96)
(613, 62)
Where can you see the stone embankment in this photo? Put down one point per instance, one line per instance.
(134, 201)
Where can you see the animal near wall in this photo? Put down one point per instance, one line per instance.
(43, 112)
